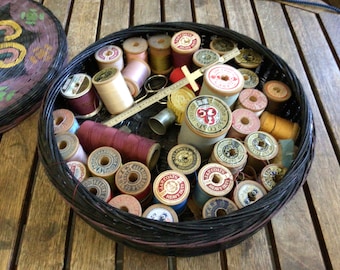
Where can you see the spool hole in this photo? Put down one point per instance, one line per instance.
(59, 120)
(62, 145)
(244, 120)
(246, 77)
(221, 212)
(216, 178)
(161, 41)
(104, 161)
(108, 53)
(252, 195)
(261, 144)
(253, 98)
(124, 208)
(224, 77)
(232, 152)
(93, 191)
(133, 177)
(135, 44)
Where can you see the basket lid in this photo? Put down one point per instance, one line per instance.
(33, 50)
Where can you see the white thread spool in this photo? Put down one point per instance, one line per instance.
(207, 121)
(70, 148)
(110, 56)
(253, 100)
(160, 212)
(204, 57)
(64, 121)
(244, 122)
(98, 187)
(251, 80)
(113, 90)
(247, 192)
(78, 169)
(135, 48)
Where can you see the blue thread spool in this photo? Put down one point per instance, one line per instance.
(218, 207)
(64, 121)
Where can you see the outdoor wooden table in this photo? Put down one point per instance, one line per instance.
(38, 229)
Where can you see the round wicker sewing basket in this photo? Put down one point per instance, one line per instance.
(188, 237)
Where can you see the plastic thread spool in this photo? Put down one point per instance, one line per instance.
(113, 90)
(207, 121)
(64, 121)
(110, 56)
(160, 212)
(204, 57)
(222, 45)
(251, 80)
(271, 175)
(81, 96)
(184, 44)
(279, 127)
(230, 153)
(218, 207)
(214, 180)
(247, 192)
(98, 187)
(78, 169)
(248, 58)
(70, 148)
(244, 122)
(127, 203)
(172, 188)
(253, 100)
(262, 148)
(160, 54)
(136, 48)
(223, 81)
(178, 100)
(277, 93)
(104, 162)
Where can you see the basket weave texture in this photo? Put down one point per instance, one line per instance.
(192, 237)
(33, 50)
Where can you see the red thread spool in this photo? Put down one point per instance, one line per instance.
(93, 135)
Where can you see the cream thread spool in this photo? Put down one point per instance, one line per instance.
(248, 58)
(70, 148)
(218, 207)
(113, 90)
(172, 188)
(204, 57)
(110, 56)
(127, 203)
(253, 100)
(214, 180)
(230, 153)
(78, 170)
(98, 187)
(244, 122)
(207, 121)
(223, 81)
(104, 162)
(277, 93)
(271, 175)
(64, 121)
(251, 80)
(262, 148)
(247, 192)
(160, 54)
(136, 48)
(160, 212)
(222, 45)
(135, 73)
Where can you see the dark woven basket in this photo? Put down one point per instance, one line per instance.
(41, 44)
(189, 237)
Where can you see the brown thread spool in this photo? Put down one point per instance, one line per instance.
(277, 93)
(127, 203)
(136, 48)
(253, 100)
(244, 122)
(247, 192)
(110, 56)
(160, 54)
(279, 127)
(99, 187)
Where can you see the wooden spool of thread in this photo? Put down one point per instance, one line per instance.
(207, 121)
(99, 187)
(136, 48)
(253, 100)
(160, 212)
(104, 162)
(271, 175)
(247, 192)
(214, 180)
(184, 44)
(81, 97)
(160, 54)
(251, 80)
(278, 93)
(64, 121)
(113, 90)
(70, 148)
(134, 178)
(78, 169)
(231, 154)
(244, 122)
(94, 135)
(204, 57)
(172, 188)
(262, 148)
(279, 127)
(222, 45)
(223, 81)
(127, 203)
(248, 58)
(135, 73)
(110, 56)
(218, 207)
(178, 100)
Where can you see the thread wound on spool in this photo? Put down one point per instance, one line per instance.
(244, 122)
(253, 100)
(64, 121)
(277, 93)
(160, 212)
(160, 54)
(109, 56)
(70, 148)
(251, 80)
(136, 48)
(218, 207)
(98, 187)
(127, 203)
(247, 192)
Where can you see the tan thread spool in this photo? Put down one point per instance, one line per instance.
(64, 121)
(248, 58)
(244, 122)
(251, 80)
(277, 93)
(160, 54)
(271, 175)
(204, 57)
(70, 148)
(135, 48)
(99, 187)
(247, 192)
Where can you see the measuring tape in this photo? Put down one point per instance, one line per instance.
(189, 78)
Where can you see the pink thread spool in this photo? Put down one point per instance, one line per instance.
(93, 135)
(244, 122)
(127, 203)
(110, 56)
(81, 96)
(70, 148)
(136, 48)
(253, 100)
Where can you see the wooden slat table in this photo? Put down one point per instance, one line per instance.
(39, 231)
